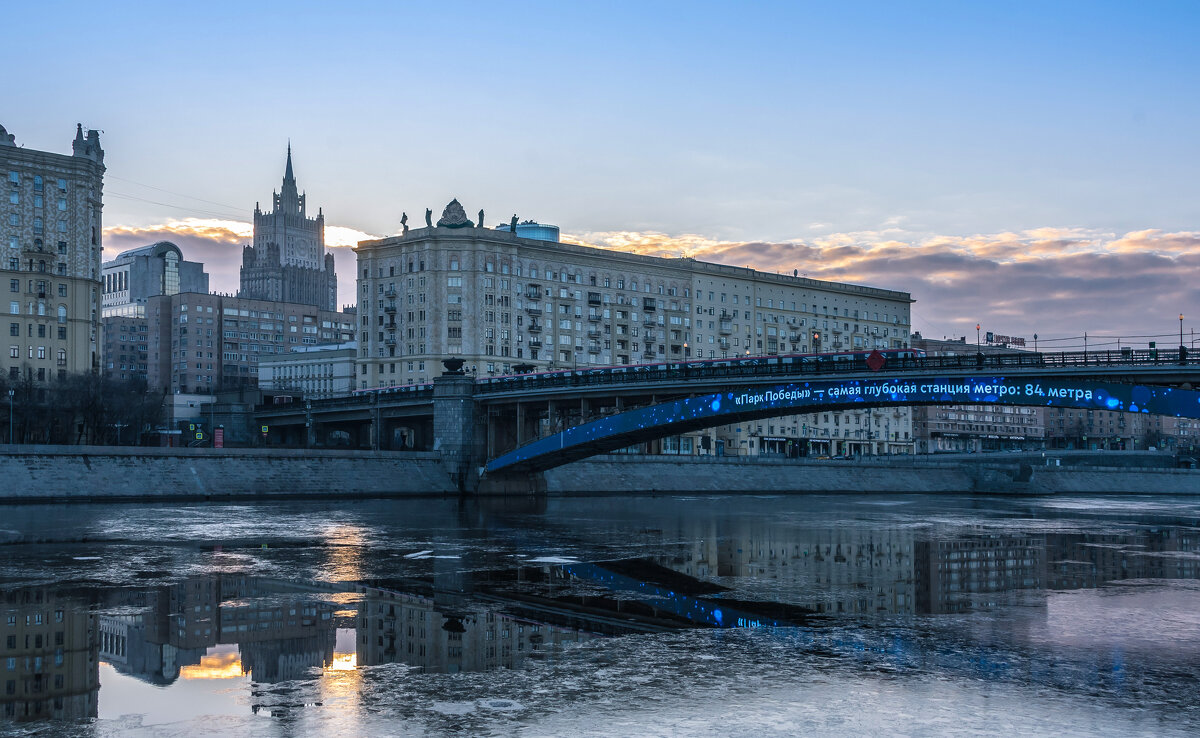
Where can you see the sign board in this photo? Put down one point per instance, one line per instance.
(219, 438)
(264, 429)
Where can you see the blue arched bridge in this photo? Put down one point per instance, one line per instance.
(531, 422)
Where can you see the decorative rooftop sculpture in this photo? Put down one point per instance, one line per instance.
(454, 217)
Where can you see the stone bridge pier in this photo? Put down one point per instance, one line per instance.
(464, 436)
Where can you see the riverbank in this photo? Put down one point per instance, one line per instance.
(92, 473)
(904, 475)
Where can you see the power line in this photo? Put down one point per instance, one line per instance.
(181, 208)
(179, 194)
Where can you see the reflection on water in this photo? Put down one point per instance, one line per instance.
(1044, 597)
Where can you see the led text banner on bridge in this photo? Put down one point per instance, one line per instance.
(705, 411)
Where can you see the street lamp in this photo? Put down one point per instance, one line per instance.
(11, 392)
(1181, 330)
(977, 344)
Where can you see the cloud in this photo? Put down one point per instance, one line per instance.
(218, 245)
(1057, 282)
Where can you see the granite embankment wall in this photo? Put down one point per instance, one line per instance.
(654, 475)
(43, 473)
(82, 473)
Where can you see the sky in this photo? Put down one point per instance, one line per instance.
(1030, 167)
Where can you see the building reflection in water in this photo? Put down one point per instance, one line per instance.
(458, 620)
(50, 655)
(218, 627)
(913, 570)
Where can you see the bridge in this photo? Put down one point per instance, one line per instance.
(517, 425)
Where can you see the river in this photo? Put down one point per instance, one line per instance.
(662, 616)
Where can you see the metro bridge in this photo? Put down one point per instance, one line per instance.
(518, 424)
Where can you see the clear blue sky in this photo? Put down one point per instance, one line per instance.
(733, 121)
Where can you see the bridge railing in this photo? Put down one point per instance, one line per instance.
(379, 397)
(778, 366)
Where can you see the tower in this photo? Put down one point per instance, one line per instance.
(288, 261)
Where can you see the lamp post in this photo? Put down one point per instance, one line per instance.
(977, 343)
(1181, 330)
(119, 426)
(685, 350)
(11, 392)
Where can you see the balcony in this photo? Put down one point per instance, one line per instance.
(593, 348)
(649, 321)
(533, 293)
(594, 317)
(593, 333)
(726, 327)
(389, 341)
(649, 355)
(533, 310)
(535, 343)
(796, 337)
(390, 293)
(535, 328)
(389, 308)
(593, 298)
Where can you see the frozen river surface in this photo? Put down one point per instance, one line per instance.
(668, 616)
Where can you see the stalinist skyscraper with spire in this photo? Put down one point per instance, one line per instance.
(288, 262)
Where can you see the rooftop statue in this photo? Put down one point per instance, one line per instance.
(454, 217)
(428, 218)
(512, 225)
(404, 221)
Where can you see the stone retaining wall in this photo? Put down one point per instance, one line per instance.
(641, 474)
(44, 473)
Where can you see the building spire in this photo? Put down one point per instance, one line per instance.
(289, 200)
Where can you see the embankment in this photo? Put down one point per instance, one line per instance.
(89, 473)
(83, 473)
(656, 475)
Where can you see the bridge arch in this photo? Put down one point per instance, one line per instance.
(751, 403)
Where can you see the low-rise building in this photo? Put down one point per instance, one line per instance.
(974, 428)
(310, 371)
(204, 343)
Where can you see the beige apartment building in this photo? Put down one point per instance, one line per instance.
(50, 229)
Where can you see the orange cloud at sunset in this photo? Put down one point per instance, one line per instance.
(1068, 280)
(1065, 280)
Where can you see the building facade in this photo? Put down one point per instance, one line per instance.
(499, 300)
(50, 230)
(974, 428)
(138, 274)
(205, 343)
(288, 262)
(311, 371)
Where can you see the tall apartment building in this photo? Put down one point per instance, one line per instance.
(50, 230)
(288, 262)
(204, 343)
(498, 300)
